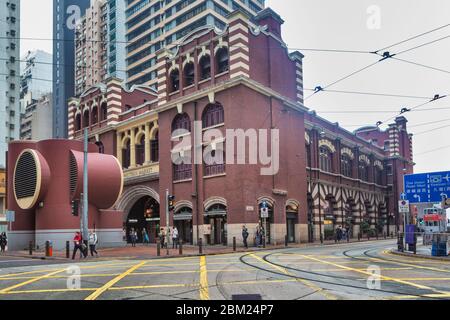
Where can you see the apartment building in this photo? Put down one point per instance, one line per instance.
(153, 24)
(9, 74)
(36, 121)
(100, 44)
(36, 73)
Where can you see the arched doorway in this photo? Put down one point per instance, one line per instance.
(216, 218)
(350, 219)
(291, 220)
(183, 222)
(144, 214)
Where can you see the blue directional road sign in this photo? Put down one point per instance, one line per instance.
(427, 187)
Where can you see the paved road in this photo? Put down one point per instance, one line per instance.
(322, 272)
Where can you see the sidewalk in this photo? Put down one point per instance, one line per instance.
(421, 252)
(150, 251)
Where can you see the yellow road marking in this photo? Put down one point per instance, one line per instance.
(6, 290)
(305, 282)
(380, 276)
(156, 286)
(204, 290)
(109, 284)
(48, 291)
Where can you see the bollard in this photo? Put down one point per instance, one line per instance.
(384, 235)
(392, 235)
(321, 238)
(30, 248)
(158, 247)
(376, 234)
(234, 244)
(368, 236)
(68, 249)
(286, 240)
(47, 248)
(264, 241)
(348, 237)
(359, 236)
(200, 246)
(181, 247)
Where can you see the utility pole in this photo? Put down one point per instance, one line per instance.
(84, 216)
(167, 221)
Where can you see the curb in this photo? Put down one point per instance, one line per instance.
(204, 254)
(421, 256)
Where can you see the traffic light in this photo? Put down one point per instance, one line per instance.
(75, 204)
(171, 202)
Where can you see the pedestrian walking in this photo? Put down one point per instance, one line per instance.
(339, 233)
(78, 245)
(93, 241)
(175, 238)
(3, 241)
(162, 237)
(145, 238)
(133, 237)
(245, 236)
(258, 236)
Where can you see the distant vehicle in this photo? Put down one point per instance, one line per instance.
(434, 220)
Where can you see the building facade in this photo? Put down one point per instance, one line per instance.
(36, 123)
(36, 73)
(66, 15)
(152, 25)
(9, 74)
(240, 86)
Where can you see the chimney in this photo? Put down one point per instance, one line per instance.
(271, 19)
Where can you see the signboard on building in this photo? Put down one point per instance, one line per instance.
(427, 187)
(264, 213)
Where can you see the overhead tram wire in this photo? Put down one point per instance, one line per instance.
(432, 150)
(385, 56)
(414, 37)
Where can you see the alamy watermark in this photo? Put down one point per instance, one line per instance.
(236, 146)
(374, 19)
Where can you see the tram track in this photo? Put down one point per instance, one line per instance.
(323, 282)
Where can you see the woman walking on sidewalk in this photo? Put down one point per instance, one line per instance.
(3, 241)
(93, 241)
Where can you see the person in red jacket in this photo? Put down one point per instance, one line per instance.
(78, 245)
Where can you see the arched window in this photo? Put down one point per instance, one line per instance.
(346, 165)
(103, 111)
(363, 170)
(222, 60)
(86, 119)
(326, 159)
(126, 155)
(94, 116)
(154, 148)
(175, 80)
(140, 151)
(189, 74)
(182, 170)
(181, 121)
(213, 115)
(205, 67)
(78, 122)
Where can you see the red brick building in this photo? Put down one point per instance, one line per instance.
(241, 78)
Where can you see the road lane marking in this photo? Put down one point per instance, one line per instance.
(305, 282)
(374, 275)
(49, 291)
(204, 290)
(6, 290)
(156, 286)
(109, 284)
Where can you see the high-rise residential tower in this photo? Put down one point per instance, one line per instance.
(100, 44)
(152, 24)
(66, 16)
(9, 74)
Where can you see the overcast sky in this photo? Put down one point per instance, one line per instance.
(330, 24)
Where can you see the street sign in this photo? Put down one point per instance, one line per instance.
(264, 212)
(403, 206)
(10, 216)
(427, 187)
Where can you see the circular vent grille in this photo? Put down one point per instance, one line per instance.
(25, 176)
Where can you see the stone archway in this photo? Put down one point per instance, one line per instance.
(129, 198)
